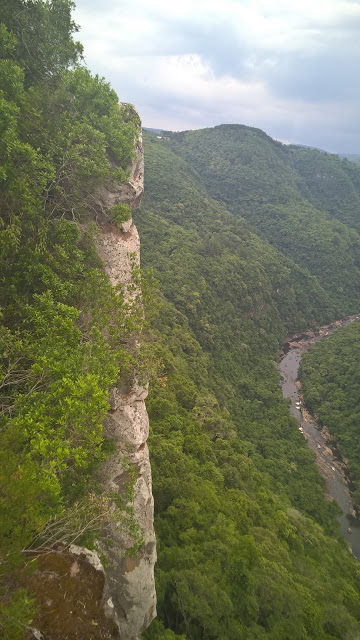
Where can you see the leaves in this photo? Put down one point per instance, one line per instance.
(247, 545)
(64, 329)
(330, 378)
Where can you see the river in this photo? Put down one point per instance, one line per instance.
(330, 463)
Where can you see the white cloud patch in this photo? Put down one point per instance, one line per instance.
(286, 66)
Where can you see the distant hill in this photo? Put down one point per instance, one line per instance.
(306, 203)
(149, 130)
(353, 157)
(307, 146)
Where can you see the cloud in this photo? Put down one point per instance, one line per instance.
(288, 67)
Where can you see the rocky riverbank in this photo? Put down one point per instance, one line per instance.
(332, 466)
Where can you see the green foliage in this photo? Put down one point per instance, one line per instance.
(16, 611)
(330, 376)
(158, 632)
(119, 213)
(43, 33)
(331, 185)
(63, 330)
(247, 545)
(304, 202)
(235, 559)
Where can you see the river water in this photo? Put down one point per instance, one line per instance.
(329, 461)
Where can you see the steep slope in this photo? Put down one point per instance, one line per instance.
(330, 379)
(174, 195)
(239, 294)
(126, 473)
(330, 184)
(248, 546)
(71, 317)
(305, 202)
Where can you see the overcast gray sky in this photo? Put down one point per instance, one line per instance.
(289, 67)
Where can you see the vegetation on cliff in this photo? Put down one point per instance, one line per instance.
(330, 377)
(248, 546)
(62, 325)
(249, 240)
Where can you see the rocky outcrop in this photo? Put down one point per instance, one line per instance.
(129, 577)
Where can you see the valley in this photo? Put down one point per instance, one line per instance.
(331, 465)
(243, 241)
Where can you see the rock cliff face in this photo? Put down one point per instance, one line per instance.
(112, 599)
(129, 579)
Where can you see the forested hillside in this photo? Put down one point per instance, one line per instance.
(304, 202)
(249, 240)
(353, 157)
(63, 327)
(248, 546)
(330, 376)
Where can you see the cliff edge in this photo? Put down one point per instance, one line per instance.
(129, 578)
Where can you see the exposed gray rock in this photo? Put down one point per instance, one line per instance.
(90, 556)
(120, 397)
(129, 579)
(131, 192)
(36, 633)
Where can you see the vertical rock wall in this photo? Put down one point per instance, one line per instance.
(129, 579)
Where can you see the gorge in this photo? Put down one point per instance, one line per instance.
(244, 241)
(330, 462)
(224, 285)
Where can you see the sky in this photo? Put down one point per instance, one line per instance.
(289, 67)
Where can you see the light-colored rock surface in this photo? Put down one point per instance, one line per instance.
(129, 579)
(131, 192)
(91, 557)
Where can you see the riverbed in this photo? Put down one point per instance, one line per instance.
(330, 464)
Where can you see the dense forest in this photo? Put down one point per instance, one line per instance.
(330, 377)
(63, 327)
(249, 240)
(304, 202)
(248, 546)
